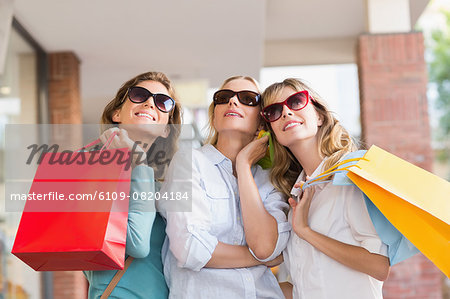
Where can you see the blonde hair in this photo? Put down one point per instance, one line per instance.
(169, 144)
(212, 132)
(333, 140)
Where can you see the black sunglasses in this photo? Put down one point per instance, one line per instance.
(246, 97)
(295, 102)
(163, 102)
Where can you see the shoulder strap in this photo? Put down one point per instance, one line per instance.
(115, 280)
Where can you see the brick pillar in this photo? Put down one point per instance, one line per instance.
(64, 89)
(394, 116)
(65, 108)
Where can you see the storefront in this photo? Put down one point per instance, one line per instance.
(22, 101)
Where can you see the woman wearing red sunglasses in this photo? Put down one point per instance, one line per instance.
(238, 221)
(334, 250)
(138, 118)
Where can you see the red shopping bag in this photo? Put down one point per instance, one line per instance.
(73, 234)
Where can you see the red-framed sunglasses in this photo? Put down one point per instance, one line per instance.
(295, 102)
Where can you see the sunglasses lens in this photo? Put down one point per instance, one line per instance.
(223, 96)
(138, 94)
(164, 102)
(249, 98)
(297, 101)
(273, 112)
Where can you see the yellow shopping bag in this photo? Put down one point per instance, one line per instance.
(415, 201)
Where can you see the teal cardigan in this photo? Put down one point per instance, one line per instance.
(145, 237)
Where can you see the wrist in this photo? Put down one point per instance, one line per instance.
(304, 232)
(242, 164)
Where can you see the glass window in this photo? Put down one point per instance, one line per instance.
(18, 105)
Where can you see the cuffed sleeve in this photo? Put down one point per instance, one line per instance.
(276, 205)
(141, 212)
(283, 237)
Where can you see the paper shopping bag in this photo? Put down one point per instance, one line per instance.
(415, 201)
(80, 220)
(399, 247)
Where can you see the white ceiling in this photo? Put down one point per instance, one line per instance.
(188, 40)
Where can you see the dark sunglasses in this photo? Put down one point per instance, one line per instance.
(246, 97)
(295, 102)
(163, 102)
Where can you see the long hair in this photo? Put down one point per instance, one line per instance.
(212, 132)
(333, 139)
(168, 144)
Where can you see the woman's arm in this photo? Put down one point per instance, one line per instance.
(141, 213)
(191, 242)
(286, 288)
(261, 230)
(231, 256)
(355, 257)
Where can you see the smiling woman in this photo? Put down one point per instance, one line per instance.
(334, 250)
(143, 112)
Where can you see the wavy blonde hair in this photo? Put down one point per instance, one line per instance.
(212, 132)
(333, 139)
(170, 143)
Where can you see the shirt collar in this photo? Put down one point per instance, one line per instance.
(213, 154)
(216, 157)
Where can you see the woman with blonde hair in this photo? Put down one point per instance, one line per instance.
(334, 250)
(237, 226)
(143, 114)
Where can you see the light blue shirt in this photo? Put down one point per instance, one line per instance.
(216, 217)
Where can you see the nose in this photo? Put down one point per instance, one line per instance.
(286, 111)
(233, 101)
(150, 102)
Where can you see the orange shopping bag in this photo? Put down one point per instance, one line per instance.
(415, 201)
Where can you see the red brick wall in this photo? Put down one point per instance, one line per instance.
(394, 116)
(65, 108)
(64, 89)
(69, 285)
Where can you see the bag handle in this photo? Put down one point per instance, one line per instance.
(115, 280)
(106, 145)
(321, 177)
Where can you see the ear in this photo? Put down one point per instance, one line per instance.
(320, 121)
(261, 126)
(166, 132)
(116, 116)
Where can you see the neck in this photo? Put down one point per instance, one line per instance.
(231, 143)
(307, 154)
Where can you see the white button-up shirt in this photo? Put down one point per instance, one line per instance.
(338, 212)
(216, 217)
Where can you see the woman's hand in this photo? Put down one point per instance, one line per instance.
(252, 152)
(300, 211)
(121, 140)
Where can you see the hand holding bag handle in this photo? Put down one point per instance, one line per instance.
(399, 247)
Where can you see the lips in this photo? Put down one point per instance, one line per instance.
(145, 115)
(232, 113)
(292, 124)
